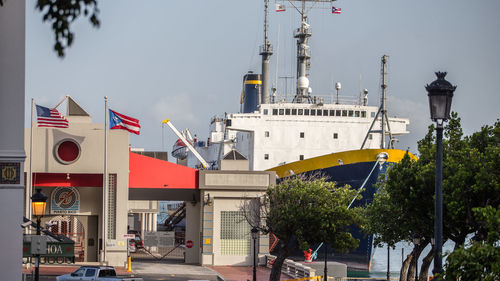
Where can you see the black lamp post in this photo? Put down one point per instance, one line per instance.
(440, 94)
(38, 203)
(416, 241)
(255, 234)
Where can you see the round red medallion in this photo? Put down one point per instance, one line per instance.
(67, 151)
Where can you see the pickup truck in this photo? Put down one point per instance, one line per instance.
(95, 273)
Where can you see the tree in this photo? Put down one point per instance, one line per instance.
(478, 260)
(303, 211)
(404, 205)
(61, 13)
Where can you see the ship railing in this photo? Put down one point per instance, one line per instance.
(324, 99)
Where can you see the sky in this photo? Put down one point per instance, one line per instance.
(185, 59)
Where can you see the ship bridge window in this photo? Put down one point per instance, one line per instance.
(335, 135)
(319, 112)
(325, 112)
(306, 111)
(363, 114)
(282, 111)
(313, 112)
(356, 113)
(275, 111)
(294, 111)
(344, 112)
(337, 112)
(332, 112)
(370, 136)
(266, 156)
(301, 157)
(372, 114)
(266, 111)
(301, 111)
(301, 135)
(287, 111)
(351, 113)
(266, 134)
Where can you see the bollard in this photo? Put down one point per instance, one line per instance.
(129, 265)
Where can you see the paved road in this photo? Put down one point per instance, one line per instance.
(152, 277)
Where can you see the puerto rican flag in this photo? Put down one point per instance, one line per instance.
(124, 122)
(50, 117)
(336, 10)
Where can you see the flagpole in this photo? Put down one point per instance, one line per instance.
(105, 180)
(29, 190)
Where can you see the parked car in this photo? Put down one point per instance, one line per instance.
(138, 240)
(95, 273)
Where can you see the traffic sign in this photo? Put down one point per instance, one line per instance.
(128, 236)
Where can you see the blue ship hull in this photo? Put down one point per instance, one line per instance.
(351, 168)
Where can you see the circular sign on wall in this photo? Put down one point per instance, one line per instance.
(189, 244)
(67, 151)
(65, 200)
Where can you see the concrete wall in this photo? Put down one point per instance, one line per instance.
(12, 74)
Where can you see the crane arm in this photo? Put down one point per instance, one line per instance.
(189, 146)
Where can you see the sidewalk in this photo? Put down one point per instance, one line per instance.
(58, 269)
(243, 273)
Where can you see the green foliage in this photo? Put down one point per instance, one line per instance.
(61, 13)
(312, 211)
(478, 260)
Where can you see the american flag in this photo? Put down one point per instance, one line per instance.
(124, 122)
(336, 10)
(50, 117)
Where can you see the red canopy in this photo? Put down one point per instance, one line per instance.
(147, 172)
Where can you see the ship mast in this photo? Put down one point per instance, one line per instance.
(303, 57)
(266, 51)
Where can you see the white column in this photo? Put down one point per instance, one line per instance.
(143, 223)
(155, 222)
(12, 69)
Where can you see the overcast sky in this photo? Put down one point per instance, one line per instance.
(185, 59)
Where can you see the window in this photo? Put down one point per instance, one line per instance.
(351, 113)
(287, 111)
(372, 114)
(344, 112)
(301, 157)
(266, 134)
(337, 112)
(301, 111)
(370, 136)
(294, 111)
(234, 233)
(282, 111)
(356, 113)
(306, 111)
(275, 111)
(266, 156)
(319, 112)
(335, 135)
(325, 112)
(79, 272)
(332, 112)
(301, 135)
(266, 111)
(90, 272)
(313, 112)
(363, 114)
(111, 206)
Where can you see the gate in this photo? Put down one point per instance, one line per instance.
(71, 227)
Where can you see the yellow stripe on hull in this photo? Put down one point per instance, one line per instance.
(330, 160)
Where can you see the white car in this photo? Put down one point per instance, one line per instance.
(95, 273)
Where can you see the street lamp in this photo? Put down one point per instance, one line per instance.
(416, 241)
(38, 203)
(440, 94)
(255, 235)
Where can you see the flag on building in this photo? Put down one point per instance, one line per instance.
(50, 117)
(124, 122)
(280, 8)
(336, 10)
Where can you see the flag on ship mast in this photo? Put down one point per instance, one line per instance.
(280, 8)
(336, 10)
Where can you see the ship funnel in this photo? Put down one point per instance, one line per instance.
(252, 85)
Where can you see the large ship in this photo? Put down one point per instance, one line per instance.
(344, 138)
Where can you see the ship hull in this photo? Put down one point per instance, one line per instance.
(351, 168)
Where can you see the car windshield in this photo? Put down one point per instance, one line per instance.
(79, 272)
